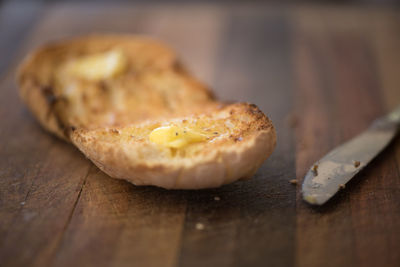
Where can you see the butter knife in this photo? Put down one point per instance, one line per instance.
(328, 175)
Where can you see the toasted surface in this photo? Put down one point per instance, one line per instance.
(238, 138)
(148, 82)
(128, 104)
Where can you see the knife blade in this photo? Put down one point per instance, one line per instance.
(335, 169)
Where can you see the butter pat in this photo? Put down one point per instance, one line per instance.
(175, 137)
(98, 66)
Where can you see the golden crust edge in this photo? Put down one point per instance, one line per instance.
(233, 162)
(33, 95)
(264, 143)
(36, 101)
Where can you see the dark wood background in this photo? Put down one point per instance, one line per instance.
(322, 73)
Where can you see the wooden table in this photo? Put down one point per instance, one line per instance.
(321, 73)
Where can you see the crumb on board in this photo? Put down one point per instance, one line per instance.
(293, 181)
(217, 198)
(357, 163)
(315, 169)
(199, 226)
(342, 186)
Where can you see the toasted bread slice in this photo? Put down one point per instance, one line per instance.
(129, 105)
(107, 80)
(198, 151)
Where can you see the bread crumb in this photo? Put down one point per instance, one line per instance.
(293, 181)
(217, 198)
(342, 186)
(314, 169)
(357, 163)
(199, 226)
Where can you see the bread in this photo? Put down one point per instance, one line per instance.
(153, 84)
(238, 138)
(128, 104)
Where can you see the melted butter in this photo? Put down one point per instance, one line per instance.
(98, 66)
(176, 137)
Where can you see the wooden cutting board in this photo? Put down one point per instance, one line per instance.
(321, 73)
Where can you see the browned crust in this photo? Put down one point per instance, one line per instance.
(42, 103)
(35, 78)
(221, 163)
(231, 159)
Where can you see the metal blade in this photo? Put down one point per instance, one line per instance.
(335, 169)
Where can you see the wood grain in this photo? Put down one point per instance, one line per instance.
(40, 183)
(143, 225)
(321, 73)
(259, 213)
(346, 231)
